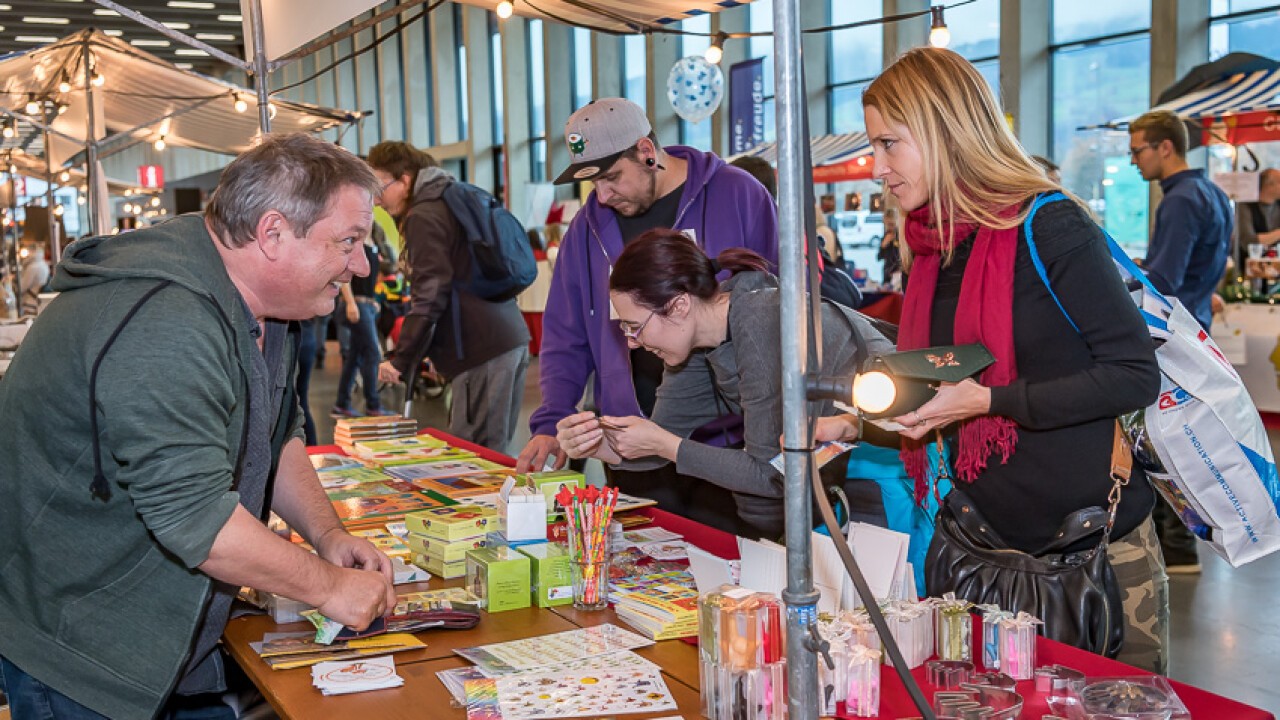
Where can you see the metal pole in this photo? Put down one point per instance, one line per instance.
(13, 244)
(800, 597)
(260, 66)
(95, 200)
(55, 240)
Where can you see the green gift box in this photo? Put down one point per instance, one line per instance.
(550, 484)
(552, 579)
(499, 576)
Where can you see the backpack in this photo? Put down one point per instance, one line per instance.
(502, 263)
(1202, 443)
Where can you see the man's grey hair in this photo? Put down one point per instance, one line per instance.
(297, 175)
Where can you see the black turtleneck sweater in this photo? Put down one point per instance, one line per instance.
(1070, 386)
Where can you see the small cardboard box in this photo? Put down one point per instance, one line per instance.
(552, 578)
(440, 568)
(443, 550)
(522, 513)
(499, 576)
(550, 484)
(456, 522)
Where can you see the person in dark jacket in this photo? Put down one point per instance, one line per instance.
(482, 347)
(1032, 435)
(150, 426)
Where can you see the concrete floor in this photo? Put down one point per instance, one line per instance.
(1224, 631)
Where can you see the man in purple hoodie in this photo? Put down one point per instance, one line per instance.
(639, 185)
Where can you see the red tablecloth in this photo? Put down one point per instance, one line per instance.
(894, 702)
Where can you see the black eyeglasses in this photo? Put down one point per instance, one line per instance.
(386, 185)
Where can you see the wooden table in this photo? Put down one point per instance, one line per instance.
(291, 694)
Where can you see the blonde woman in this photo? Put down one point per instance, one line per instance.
(1031, 436)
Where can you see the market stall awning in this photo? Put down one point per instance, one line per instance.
(836, 158)
(620, 16)
(141, 99)
(1236, 107)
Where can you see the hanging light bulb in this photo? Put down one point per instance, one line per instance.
(80, 199)
(33, 105)
(155, 202)
(715, 53)
(62, 108)
(65, 176)
(64, 85)
(271, 111)
(10, 128)
(504, 9)
(939, 35)
(241, 105)
(98, 79)
(160, 144)
(58, 210)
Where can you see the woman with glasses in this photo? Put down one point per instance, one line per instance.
(721, 344)
(1032, 436)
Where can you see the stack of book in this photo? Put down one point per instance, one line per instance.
(349, 431)
(661, 606)
(441, 537)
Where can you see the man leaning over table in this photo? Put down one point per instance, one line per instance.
(151, 423)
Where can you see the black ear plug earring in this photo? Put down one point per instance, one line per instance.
(650, 162)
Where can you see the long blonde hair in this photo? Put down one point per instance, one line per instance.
(973, 165)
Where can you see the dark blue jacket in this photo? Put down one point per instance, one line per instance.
(1192, 238)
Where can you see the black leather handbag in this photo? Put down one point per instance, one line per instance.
(1075, 594)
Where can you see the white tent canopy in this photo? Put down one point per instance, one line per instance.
(824, 149)
(142, 98)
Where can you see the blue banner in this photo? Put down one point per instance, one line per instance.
(746, 105)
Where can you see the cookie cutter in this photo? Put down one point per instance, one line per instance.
(947, 674)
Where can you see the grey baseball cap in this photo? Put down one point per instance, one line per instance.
(597, 135)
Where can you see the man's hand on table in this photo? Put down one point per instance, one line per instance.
(535, 454)
(363, 587)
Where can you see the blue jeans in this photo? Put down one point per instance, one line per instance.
(306, 361)
(361, 354)
(30, 699)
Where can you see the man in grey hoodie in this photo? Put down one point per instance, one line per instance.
(481, 346)
(151, 425)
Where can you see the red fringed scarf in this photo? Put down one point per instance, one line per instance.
(984, 315)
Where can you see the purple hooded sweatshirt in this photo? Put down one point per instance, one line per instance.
(724, 207)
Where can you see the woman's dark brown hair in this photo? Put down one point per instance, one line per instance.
(661, 264)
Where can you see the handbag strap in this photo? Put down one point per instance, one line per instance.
(1121, 469)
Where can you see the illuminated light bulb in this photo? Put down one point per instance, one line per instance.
(80, 200)
(13, 169)
(58, 210)
(715, 53)
(64, 85)
(65, 176)
(62, 108)
(98, 79)
(33, 106)
(939, 35)
(160, 143)
(874, 392)
(155, 202)
(504, 9)
(241, 105)
(271, 111)
(9, 130)
(24, 253)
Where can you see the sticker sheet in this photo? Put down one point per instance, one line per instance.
(539, 652)
(568, 695)
(455, 679)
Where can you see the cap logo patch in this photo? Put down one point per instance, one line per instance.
(586, 172)
(577, 144)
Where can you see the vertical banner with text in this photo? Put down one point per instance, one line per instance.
(746, 105)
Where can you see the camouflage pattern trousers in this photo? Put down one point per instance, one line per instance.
(1139, 569)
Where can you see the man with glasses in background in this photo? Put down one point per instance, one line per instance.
(638, 185)
(1186, 258)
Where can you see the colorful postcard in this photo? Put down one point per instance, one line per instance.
(359, 508)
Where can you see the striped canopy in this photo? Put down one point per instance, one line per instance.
(618, 16)
(825, 149)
